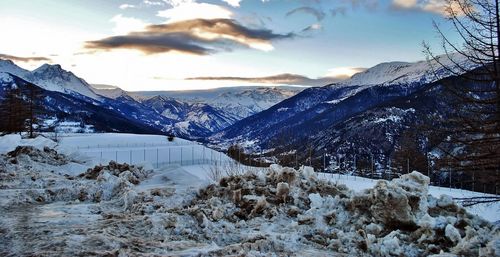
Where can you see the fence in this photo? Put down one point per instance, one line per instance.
(157, 156)
(380, 166)
(184, 154)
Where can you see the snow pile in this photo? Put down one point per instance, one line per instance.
(30, 176)
(294, 213)
(10, 142)
(120, 209)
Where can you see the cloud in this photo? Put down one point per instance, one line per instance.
(441, 7)
(176, 3)
(318, 14)
(153, 3)
(199, 36)
(187, 10)
(124, 25)
(313, 27)
(126, 6)
(233, 3)
(280, 79)
(344, 72)
(25, 59)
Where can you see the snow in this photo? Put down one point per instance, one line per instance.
(5, 77)
(10, 142)
(176, 210)
(391, 73)
(490, 212)
(52, 78)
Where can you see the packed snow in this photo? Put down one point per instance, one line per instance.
(61, 202)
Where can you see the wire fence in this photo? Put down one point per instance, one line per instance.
(185, 154)
(157, 156)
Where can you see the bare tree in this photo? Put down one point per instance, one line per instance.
(473, 144)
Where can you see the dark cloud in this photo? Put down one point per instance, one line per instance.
(320, 15)
(198, 36)
(287, 79)
(25, 59)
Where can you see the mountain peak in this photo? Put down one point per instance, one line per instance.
(6, 61)
(49, 67)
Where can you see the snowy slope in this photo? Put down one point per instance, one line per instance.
(9, 67)
(55, 78)
(407, 73)
(316, 110)
(52, 78)
(186, 114)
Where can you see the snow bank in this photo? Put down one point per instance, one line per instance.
(10, 142)
(120, 209)
(311, 215)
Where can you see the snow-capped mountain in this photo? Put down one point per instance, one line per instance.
(193, 114)
(251, 101)
(188, 115)
(239, 102)
(397, 73)
(51, 78)
(300, 121)
(9, 66)
(55, 78)
(203, 112)
(112, 116)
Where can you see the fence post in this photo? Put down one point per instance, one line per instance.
(324, 161)
(473, 180)
(130, 157)
(450, 173)
(144, 154)
(390, 170)
(355, 168)
(157, 162)
(372, 166)
(116, 156)
(101, 159)
(496, 184)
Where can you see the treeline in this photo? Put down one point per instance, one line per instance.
(237, 153)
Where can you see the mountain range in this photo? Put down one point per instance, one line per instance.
(193, 114)
(364, 115)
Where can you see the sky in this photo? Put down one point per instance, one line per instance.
(197, 44)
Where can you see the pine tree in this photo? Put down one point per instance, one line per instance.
(33, 97)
